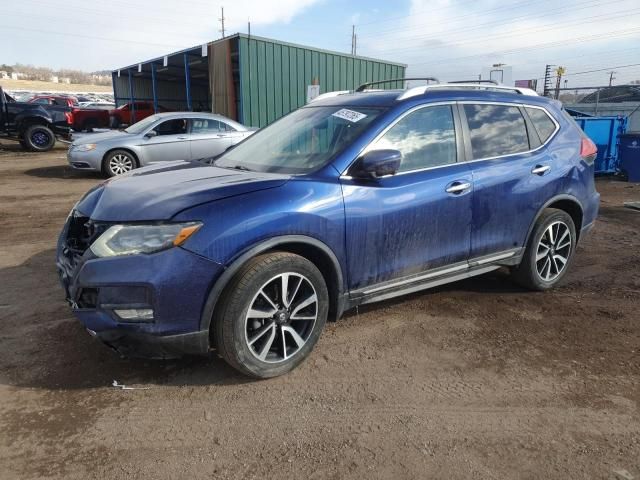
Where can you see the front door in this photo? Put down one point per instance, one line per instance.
(419, 218)
(170, 143)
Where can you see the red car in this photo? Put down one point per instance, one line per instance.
(127, 115)
(81, 118)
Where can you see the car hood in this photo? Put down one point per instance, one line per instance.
(160, 191)
(100, 137)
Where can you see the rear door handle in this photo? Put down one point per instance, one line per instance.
(458, 187)
(540, 169)
(182, 138)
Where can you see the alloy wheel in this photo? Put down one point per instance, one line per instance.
(120, 163)
(40, 138)
(554, 249)
(281, 317)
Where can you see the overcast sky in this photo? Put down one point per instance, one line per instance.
(447, 39)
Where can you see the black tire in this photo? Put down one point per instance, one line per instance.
(89, 125)
(39, 138)
(540, 268)
(232, 324)
(24, 145)
(124, 158)
(115, 122)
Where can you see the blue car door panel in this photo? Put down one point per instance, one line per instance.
(419, 218)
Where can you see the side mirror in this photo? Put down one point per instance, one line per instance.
(379, 163)
(151, 134)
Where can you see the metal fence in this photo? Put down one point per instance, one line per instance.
(604, 101)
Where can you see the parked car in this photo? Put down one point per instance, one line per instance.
(159, 138)
(35, 126)
(82, 118)
(355, 198)
(130, 113)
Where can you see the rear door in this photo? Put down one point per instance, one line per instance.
(170, 143)
(512, 174)
(208, 138)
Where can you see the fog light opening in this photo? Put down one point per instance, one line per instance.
(135, 314)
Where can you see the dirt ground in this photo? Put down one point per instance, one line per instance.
(478, 379)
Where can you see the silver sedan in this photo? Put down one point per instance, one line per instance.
(158, 138)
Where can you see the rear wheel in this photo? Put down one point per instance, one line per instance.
(39, 138)
(549, 251)
(118, 162)
(271, 315)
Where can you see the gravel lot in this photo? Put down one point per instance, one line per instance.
(478, 379)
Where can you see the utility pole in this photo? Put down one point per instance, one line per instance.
(249, 28)
(547, 80)
(221, 19)
(611, 77)
(354, 41)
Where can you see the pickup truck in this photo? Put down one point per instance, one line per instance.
(83, 118)
(130, 113)
(35, 126)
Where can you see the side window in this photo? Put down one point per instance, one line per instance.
(496, 130)
(225, 127)
(43, 101)
(541, 122)
(425, 137)
(205, 125)
(172, 127)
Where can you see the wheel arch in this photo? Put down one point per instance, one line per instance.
(26, 121)
(126, 149)
(566, 203)
(310, 248)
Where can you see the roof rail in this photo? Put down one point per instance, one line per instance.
(412, 92)
(363, 87)
(475, 81)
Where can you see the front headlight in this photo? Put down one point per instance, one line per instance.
(133, 239)
(85, 147)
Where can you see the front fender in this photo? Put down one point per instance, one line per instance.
(312, 208)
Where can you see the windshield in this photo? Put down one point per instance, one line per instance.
(142, 125)
(302, 141)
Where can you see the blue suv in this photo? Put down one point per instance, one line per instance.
(357, 197)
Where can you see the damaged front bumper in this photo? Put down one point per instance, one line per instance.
(172, 285)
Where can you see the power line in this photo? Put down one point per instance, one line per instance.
(476, 40)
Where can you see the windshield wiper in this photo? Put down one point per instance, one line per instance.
(242, 167)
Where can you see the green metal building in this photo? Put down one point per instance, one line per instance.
(250, 79)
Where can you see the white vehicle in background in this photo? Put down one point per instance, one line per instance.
(102, 105)
(159, 138)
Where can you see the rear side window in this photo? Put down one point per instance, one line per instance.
(425, 137)
(496, 130)
(541, 122)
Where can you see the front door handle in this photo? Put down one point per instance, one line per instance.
(458, 187)
(540, 169)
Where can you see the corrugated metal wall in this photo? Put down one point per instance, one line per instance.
(274, 76)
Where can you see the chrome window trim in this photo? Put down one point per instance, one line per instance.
(389, 127)
(344, 176)
(521, 105)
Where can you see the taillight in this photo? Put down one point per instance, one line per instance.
(69, 116)
(588, 150)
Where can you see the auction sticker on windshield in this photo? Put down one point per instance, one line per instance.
(349, 115)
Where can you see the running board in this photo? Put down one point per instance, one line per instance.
(434, 278)
(416, 287)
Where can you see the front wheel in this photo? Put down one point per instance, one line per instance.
(549, 251)
(271, 315)
(118, 162)
(38, 138)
